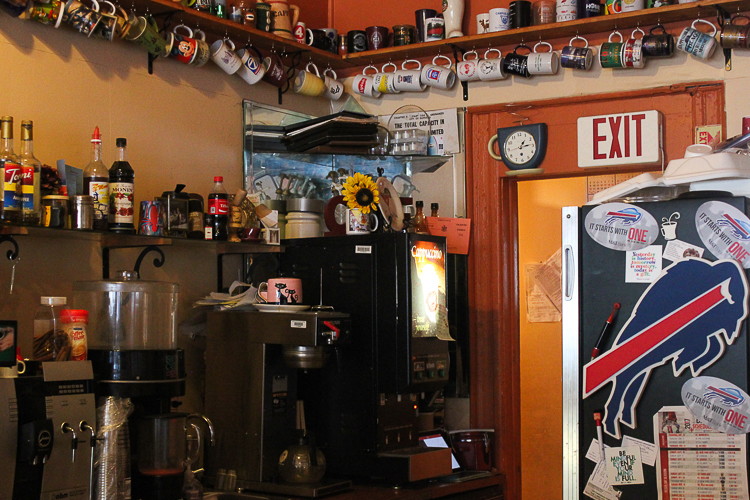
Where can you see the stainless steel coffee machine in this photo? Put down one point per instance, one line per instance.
(48, 417)
(253, 360)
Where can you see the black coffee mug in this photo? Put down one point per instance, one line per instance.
(356, 41)
(520, 14)
(517, 64)
(658, 44)
(321, 40)
(589, 8)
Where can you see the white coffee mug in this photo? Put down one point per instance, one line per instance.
(359, 223)
(483, 23)
(384, 81)
(363, 84)
(467, 68)
(251, 69)
(696, 42)
(543, 63)
(408, 80)
(491, 69)
(435, 75)
(334, 88)
(222, 53)
(499, 19)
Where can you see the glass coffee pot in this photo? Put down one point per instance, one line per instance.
(165, 445)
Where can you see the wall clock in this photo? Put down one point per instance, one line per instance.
(522, 147)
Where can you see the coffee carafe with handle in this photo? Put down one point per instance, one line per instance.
(283, 18)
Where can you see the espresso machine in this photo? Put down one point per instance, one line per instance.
(50, 414)
(138, 371)
(364, 409)
(253, 363)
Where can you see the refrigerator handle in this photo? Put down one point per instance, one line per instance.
(569, 272)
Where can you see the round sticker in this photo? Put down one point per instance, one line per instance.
(719, 404)
(725, 231)
(621, 226)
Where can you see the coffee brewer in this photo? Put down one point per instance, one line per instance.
(364, 409)
(132, 346)
(47, 417)
(253, 362)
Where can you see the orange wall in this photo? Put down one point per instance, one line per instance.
(539, 228)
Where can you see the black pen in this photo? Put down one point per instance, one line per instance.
(605, 329)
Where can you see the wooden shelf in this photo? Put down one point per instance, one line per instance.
(114, 240)
(217, 28)
(706, 9)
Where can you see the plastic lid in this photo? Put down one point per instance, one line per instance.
(74, 316)
(53, 301)
(121, 142)
(434, 206)
(420, 204)
(218, 178)
(96, 137)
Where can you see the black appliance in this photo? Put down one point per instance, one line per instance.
(363, 409)
(594, 279)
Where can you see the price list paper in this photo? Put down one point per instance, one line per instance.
(697, 462)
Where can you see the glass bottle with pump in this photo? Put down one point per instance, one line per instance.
(419, 222)
(31, 175)
(50, 340)
(121, 192)
(96, 183)
(10, 173)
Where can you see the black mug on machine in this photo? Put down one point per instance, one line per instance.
(658, 44)
(517, 64)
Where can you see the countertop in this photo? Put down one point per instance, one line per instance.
(486, 488)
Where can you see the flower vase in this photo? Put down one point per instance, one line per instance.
(453, 12)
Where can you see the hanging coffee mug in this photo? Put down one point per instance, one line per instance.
(222, 53)
(632, 51)
(435, 75)
(610, 55)
(334, 89)
(491, 69)
(309, 82)
(736, 36)
(274, 69)
(251, 70)
(543, 63)
(577, 57)
(467, 68)
(696, 42)
(658, 44)
(408, 80)
(384, 81)
(363, 84)
(517, 64)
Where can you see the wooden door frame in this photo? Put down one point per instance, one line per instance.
(494, 291)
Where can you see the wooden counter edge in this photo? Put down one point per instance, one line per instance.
(422, 492)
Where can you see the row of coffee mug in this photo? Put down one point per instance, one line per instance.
(525, 61)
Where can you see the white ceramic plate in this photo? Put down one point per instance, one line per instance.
(276, 308)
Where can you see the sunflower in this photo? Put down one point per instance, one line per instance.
(361, 192)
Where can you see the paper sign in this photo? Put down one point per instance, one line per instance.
(678, 250)
(648, 450)
(624, 465)
(443, 124)
(708, 134)
(594, 451)
(643, 266)
(598, 486)
(457, 232)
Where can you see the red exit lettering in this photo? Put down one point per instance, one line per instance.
(738, 252)
(736, 418)
(618, 147)
(638, 235)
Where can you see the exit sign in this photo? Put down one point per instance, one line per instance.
(620, 139)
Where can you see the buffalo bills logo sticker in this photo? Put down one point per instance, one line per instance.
(725, 231)
(718, 403)
(621, 226)
(688, 316)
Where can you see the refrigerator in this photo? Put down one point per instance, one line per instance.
(677, 269)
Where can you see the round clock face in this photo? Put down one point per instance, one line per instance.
(519, 147)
